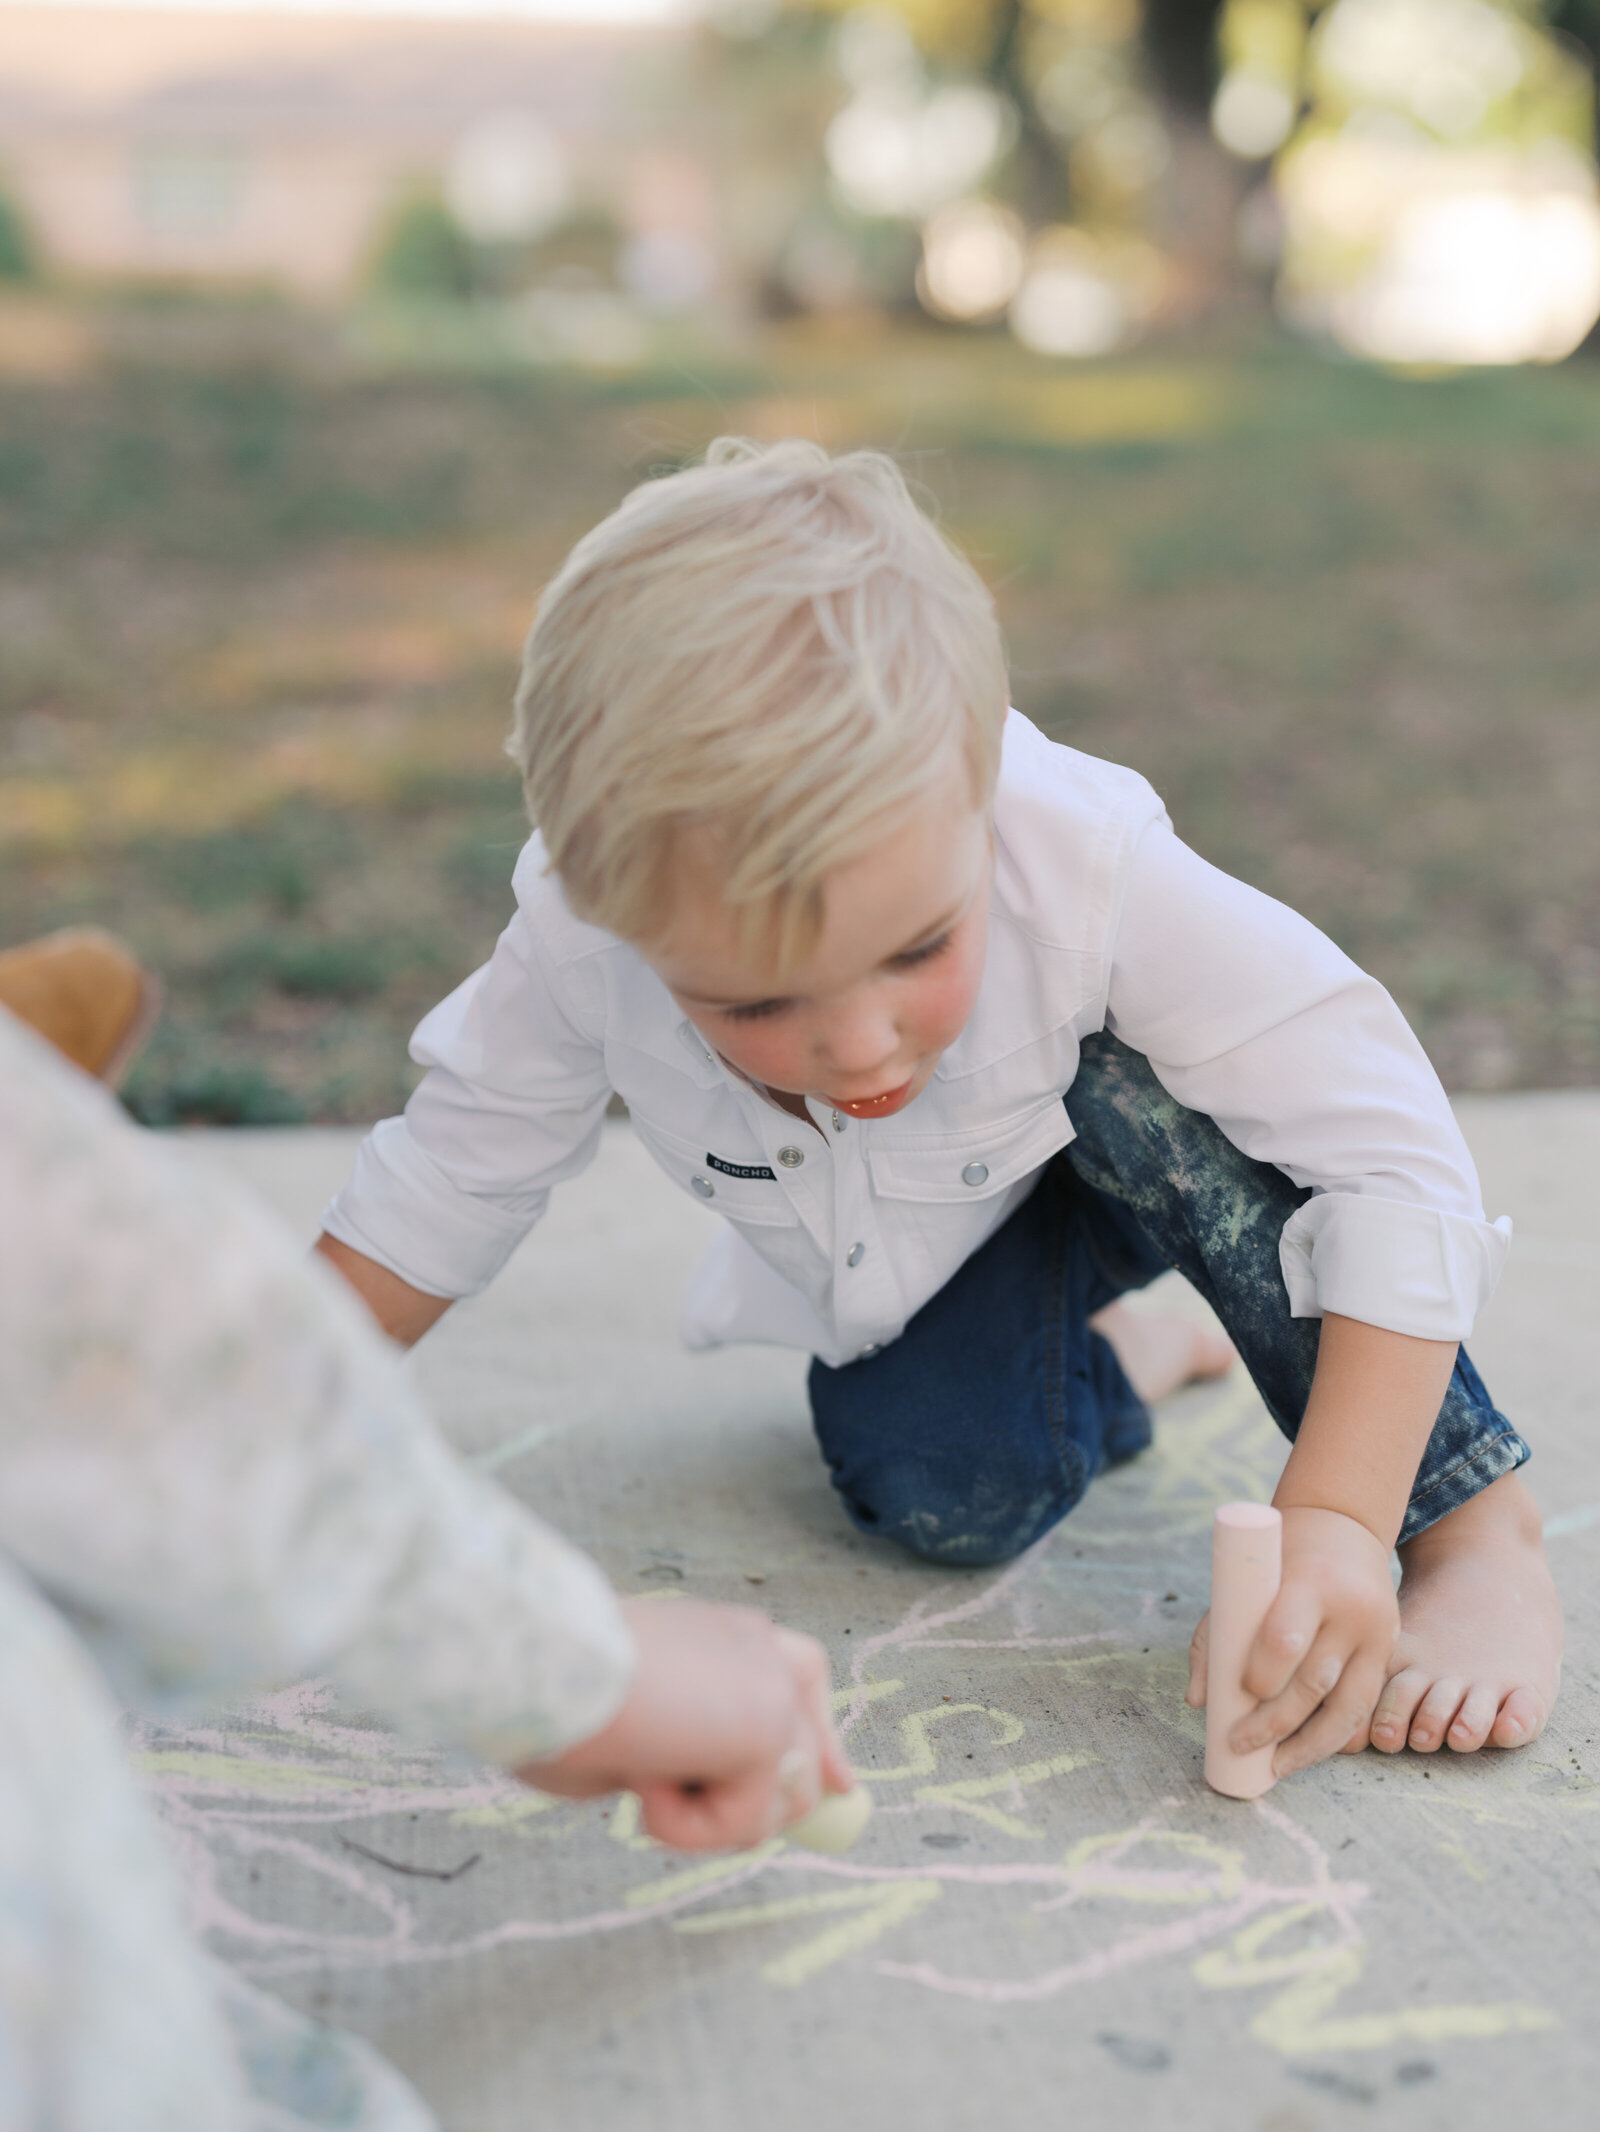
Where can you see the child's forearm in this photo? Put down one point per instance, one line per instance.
(405, 1313)
(1374, 1400)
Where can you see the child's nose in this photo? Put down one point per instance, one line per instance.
(861, 1039)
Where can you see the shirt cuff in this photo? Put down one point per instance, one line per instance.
(1405, 1268)
(400, 1209)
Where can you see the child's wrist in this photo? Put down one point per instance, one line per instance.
(1293, 1502)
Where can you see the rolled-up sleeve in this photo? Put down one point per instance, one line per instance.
(512, 1104)
(221, 1475)
(1249, 1014)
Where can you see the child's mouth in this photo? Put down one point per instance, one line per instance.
(874, 1106)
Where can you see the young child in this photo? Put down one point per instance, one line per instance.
(213, 1475)
(963, 1043)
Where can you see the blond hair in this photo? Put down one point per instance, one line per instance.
(778, 645)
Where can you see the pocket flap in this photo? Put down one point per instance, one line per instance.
(741, 1185)
(969, 1165)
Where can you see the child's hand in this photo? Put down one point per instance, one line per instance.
(726, 1735)
(1321, 1659)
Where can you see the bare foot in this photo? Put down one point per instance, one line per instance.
(1159, 1351)
(1478, 1658)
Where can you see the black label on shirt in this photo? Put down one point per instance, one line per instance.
(742, 1169)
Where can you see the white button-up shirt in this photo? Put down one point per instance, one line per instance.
(837, 1232)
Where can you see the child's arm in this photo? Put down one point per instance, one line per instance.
(1320, 1661)
(726, 1734)
(213, 1468)
(404, 1313)
(513, 1103)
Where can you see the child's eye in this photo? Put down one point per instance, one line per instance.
(755, 1010)
(926, 953)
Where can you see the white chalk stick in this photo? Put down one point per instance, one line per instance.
(835, 1822)
(1246, 1570)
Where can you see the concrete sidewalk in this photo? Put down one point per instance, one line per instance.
(1050, 1920)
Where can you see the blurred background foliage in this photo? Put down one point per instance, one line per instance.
(1243, 346)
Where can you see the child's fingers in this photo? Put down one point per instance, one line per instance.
(1285, 1638)
(1287, 1711)
(735, 1814)
(810, 1662)
(1350, 1705)
(1199, 1657)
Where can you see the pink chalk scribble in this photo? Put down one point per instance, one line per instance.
(260, 1785)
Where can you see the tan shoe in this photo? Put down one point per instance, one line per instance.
(85, 992)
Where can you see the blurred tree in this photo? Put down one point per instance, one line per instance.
(1180, 41)
(1579, 19)
(16, 252)
(425, 253)
(1105, 107)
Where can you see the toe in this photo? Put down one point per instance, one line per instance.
(1521, 1719)
(1470, 1726)
(1434, 1713)
(1391, 1721)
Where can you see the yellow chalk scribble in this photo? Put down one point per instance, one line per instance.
(879, 1909)
(966, 1795)
(922, 1757)
(1296, 2020)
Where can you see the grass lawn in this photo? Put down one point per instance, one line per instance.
(259, 625)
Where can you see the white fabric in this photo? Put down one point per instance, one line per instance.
(216, 1470)
(111, 2018)
(1100, 919)
(214, 1474)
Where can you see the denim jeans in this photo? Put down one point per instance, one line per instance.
(984, 1423)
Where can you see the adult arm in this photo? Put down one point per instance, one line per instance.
(220, 1477)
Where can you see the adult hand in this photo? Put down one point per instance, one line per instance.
(726, 1734)
(1320, 1661)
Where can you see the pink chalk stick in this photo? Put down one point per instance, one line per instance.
(1246, 1569)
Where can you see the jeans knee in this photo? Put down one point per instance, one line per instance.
(975, 1527)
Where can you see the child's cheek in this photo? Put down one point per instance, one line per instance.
(767, 1054)
(945, 1001)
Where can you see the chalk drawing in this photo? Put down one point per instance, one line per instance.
(1243, 1901)
(879, 1910)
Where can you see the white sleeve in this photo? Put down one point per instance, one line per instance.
(1247, 1013)
(216, 1469)
(512, 1104)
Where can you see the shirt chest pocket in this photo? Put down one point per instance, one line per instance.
(740, 1184)
(973, 1164)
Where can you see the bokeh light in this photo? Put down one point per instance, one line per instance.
(1435, 177)
(973, 258)
(899, 151)
(508, 179)
(1252, 114)
(1083, 297)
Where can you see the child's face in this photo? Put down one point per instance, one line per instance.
(889, 986)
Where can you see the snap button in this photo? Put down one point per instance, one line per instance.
(839, 1122)
(704, 1187)
(975, 1173)
(855, 1254)
(868, 1351)
(790, 1157)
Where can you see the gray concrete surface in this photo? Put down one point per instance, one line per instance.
(1050, 1920)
